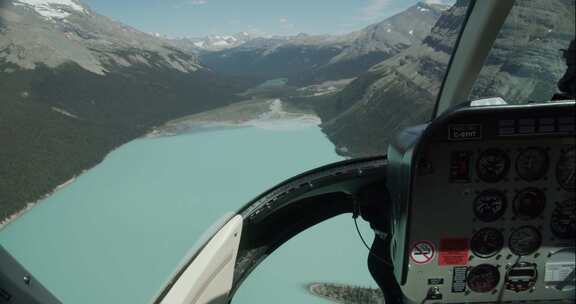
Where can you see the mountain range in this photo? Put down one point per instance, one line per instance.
(523, 66)
(213, 42)
(76, 84)
(305, 59)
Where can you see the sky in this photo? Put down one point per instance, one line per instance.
(196, 18)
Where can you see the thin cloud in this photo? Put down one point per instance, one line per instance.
(187, 3)
(374, 9)
(253, 30)
(285, 24)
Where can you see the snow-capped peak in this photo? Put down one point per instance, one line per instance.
(53, 9)
(220, 42)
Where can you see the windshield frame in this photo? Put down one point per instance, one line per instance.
(482, 24)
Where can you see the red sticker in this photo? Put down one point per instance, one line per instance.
(422, 252)
(453, 252)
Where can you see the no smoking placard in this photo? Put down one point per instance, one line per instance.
(422, 252)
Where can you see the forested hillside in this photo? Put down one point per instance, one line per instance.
(524, 66)
(76, 86)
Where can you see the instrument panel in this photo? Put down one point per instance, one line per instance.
(492, 210)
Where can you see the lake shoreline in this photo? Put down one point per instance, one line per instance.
(252, 113)
(30, 205)
(150, 201)
(263, 113)
(343, 293)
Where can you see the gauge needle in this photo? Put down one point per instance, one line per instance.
(571, 176)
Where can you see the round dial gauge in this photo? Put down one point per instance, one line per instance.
(486, 242)
(529, 203)
(563, 220)
(521, 276)
(483, 278)
(489, 205)
(525, 240)
(566, 170)
(532, 163)
(492, 165)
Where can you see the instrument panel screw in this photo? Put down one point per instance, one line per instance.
(27, 280)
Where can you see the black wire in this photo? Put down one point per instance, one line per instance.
(366, 244)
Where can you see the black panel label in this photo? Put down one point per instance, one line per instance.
(459, 279)
(464, 132)
(436, 281)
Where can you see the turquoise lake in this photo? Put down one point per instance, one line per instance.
(118, 232)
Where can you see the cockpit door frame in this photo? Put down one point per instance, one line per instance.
(264, 224)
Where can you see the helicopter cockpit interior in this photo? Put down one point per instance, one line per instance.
(490, 216)
(476, 206)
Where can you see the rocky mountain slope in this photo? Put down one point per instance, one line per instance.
(523, 66)
(76, 84)
(305, 58)
(52, 32)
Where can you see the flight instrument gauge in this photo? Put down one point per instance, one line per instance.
(529, 203)
(563, 220)
(566, 169)
(490, 205)
(532, 163)
(486, 242)
(483, 278)
(525, 240)
(492, 165)
(521, 276)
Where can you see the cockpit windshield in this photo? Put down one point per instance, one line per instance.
(528, 60)
(127, 128)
